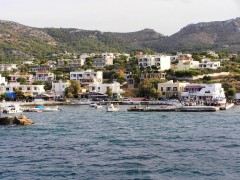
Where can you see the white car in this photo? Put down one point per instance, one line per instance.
(127, 101)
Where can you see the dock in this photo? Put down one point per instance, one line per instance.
(176, 109)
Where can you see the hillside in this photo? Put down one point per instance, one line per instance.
(139, 38)
(19, 42)
(78, 40)
(219, 35)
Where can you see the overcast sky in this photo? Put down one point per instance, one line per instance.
(164, 16)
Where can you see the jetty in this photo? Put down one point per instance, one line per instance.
(180, 108)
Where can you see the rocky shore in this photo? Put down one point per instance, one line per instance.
(16, 120)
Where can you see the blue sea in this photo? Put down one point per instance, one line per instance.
(84, 143)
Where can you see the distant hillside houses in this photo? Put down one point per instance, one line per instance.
(162, 62)
(87, 77)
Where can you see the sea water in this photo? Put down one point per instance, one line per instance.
(85, 143)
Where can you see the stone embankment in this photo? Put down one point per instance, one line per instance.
(17, 120)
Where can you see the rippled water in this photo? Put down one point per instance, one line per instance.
(84, 143)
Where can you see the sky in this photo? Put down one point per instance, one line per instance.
(164, 16)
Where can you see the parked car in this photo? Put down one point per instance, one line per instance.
(127, 101)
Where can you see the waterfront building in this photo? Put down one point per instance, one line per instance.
(170, 89)
(203, 92)
(87, 77)
(103, 88)
(30, 89)
(59, 87)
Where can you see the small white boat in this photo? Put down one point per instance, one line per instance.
(43, 109)
(95, 105)
(12, 109)
(112, 108)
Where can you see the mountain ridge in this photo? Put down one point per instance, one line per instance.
(37, 42)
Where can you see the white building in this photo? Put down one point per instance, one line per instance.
(29, 77)
(59, 87)
(203, 91)
(105, 59)
(102, 88)
(34, 89)
(87, 77)
(160, 61)
(44, 76)
(2, 81)
(186, 64)
(207, 64)
(170, 89)
(7, 67)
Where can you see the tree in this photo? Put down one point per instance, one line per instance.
(19, 94)
(73, 90)
(144, 88)
(89, 61)
(109, 92)
(21, 80)
(230, 93)
(207, 78)
(48, 86)
(120, 77)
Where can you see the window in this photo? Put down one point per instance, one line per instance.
(7, 89)
(35, 88)
(168, 88)
(161, 88)
(28, 88)
(20, 88)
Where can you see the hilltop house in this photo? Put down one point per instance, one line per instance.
(44, 76)
(2, 81)
(207, 64)
(7, 67)
(102, 60)
(41, 67)
(186, 63)
(29, 77)
(160, 61)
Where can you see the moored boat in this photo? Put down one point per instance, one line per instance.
(12, 109)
